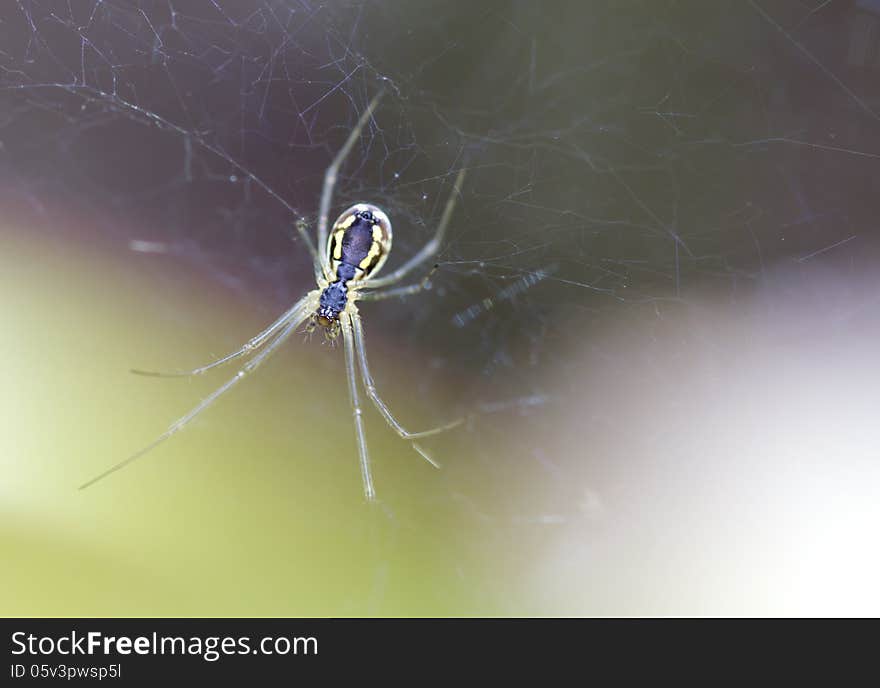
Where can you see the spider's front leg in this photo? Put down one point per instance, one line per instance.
(356, 411)
(357, 336)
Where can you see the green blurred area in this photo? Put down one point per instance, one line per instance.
(254, 510)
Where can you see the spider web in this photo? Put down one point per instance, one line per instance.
(623, 157)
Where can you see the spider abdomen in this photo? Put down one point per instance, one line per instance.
(359, 243)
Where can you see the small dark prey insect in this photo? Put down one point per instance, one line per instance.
(357, 247)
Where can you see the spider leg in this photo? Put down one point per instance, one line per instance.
(253, 344)
(330, 182)
(184, 420)
(430, 249)
(348, 345)
(370, 386)
(303, 229)
(380, 294)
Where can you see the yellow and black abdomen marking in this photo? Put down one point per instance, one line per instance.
(359, 243)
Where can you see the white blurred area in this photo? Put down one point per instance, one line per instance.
(727, 453)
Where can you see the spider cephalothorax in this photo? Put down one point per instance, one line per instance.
(332, 302)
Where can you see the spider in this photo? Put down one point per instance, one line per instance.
(357, 247)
